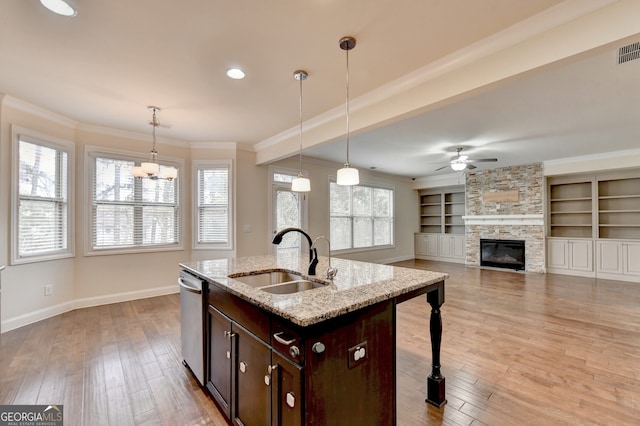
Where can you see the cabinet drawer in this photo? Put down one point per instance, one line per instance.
(251, 317)
(287, 340)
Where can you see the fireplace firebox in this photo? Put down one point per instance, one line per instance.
(502, 254)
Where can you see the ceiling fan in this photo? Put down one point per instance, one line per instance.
(460, 162)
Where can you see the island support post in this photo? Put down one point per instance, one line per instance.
(435, 381)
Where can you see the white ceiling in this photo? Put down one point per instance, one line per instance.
(104, 66)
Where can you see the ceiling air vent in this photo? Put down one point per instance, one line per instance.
(629, 53)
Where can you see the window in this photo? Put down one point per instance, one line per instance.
(213, 210)
(288, 210)
(129, 213)
(361, 216)
(42, 216)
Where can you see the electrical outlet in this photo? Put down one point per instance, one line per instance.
(357, 354)
(48, 290)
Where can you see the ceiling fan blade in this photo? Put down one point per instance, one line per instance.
(443, 167)
(483, 160)
(471, 166)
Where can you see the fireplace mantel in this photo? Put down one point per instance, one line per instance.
(505, 219)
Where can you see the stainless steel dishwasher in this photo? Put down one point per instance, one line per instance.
(191, 323)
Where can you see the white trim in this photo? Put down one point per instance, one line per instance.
(41, 314)
(32, 136)
(195, 166)
(29, 108)
(120, 133)
(504, 219)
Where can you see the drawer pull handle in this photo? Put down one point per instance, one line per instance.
(279, 337)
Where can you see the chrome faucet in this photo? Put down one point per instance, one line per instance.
(313, 254)
(331, 272)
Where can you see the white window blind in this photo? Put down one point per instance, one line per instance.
(129, 212)
(213, 205)
(361, 216)
(43, 200)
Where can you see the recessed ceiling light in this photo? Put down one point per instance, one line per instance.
(235, 73)
(60, 7)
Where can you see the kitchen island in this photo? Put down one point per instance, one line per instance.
(307, 350)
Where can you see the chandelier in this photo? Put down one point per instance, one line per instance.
(153, 170)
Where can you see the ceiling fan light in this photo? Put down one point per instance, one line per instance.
(301, 184)
(458, 166)
(60, 7)
(348, 176)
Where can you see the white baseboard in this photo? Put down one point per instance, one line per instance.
(41, 314)
(395, 259)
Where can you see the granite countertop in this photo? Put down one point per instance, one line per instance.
(357, 284)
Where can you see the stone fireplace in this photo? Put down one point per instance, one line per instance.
(506, 204)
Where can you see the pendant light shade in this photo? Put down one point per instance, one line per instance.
(347, 175)
(300, 183)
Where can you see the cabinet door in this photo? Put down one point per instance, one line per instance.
(458, 246)
(558, 254)
(632, 258)
(581, 255)
(220, 359)
(445, 246)
(253, 381)
(287, 392)
(431, 244)
(610, 257)
(420, 244)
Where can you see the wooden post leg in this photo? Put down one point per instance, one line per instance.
(435, 381)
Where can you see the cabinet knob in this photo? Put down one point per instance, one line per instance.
(294, 351)
(272, 368)
(291, 399)
(243, 367)
(318, 347)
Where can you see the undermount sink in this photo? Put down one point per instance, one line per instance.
(278, 282)
(292, 287)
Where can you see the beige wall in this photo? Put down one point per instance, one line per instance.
(405, 209)
(87, 280)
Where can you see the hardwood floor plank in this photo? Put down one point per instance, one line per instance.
(517, 349)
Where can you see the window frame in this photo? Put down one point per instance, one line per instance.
(22, 134)
(198, 165)
(372, 185)
(91, 153)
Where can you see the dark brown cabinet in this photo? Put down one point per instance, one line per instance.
(253, 384)
(265, 370)
(287, 392)
(220, 359)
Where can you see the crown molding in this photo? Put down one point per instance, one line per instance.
(30, 108)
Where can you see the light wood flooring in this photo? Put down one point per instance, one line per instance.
(518, 349)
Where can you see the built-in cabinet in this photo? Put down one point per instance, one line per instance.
(442, 230)
(594, 225)
(617, 258)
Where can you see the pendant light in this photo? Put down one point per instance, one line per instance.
(300, 183)
(152, 169)
(347, 175)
